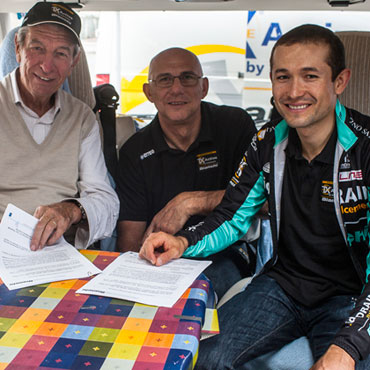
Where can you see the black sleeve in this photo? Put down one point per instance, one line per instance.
(354, 336)
(245, 130)
(232, 218)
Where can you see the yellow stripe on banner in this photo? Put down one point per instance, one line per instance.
(132, 91)
(214, 48)
(258, 88)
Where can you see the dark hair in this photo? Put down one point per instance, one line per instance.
(311, 33)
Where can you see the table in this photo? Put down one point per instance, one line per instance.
(49, 326)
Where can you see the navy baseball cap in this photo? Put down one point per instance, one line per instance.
(57, 13)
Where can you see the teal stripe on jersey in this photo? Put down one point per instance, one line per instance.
(281, 132)
(345, 135)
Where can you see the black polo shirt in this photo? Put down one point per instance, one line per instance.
(151, 173)
(313, 260)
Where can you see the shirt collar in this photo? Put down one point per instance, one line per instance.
(49, 116)
(294, 147)
(158, 136)
(205, 133)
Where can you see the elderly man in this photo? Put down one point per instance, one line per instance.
(175, 170)
(313, 167)
(51, 162)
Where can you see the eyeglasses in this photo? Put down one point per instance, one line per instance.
(187, 79)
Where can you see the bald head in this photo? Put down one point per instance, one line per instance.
(172, 56)
(178, 99)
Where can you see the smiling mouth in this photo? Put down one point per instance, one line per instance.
(177, 103)
(43, 78)
(297, 107)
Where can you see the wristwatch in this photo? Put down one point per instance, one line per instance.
(82, 209)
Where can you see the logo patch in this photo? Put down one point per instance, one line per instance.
(261, 134)
(207, 161)
(327, 191)
(346, 163)
(235, 179)
(147, 154)
(350, 175)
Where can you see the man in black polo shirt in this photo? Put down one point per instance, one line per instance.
(313, 167)
(174, 171)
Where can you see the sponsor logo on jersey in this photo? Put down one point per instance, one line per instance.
(266, 167)
(207, 161)
(354, 209)
(254, 142)
(235, 179)
(261, 134)
(327, 191)
(361, 313)
(353, 194)
(359, 236)
(346, 162)
(350, 175)
(147, 154)
(359, 128)
(194, 227)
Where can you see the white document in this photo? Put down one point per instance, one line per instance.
(132, 278)
(20, 267)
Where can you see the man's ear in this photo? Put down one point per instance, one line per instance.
(76, 59)
(147, 92)
(74, 63)
(342, 80)
(205, 86)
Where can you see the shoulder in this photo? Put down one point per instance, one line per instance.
(77, 112)
(271, 126)
(224, 111)
(140, 142)
(358, 123)
(73, 104)
(6, 85)
(267, 134)
(228, 118)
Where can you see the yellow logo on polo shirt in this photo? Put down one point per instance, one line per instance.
(327, 191)
(207, 160)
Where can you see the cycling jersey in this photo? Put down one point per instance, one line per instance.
(260, 178)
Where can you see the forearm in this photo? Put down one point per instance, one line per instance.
(201, 202)
(130, 235)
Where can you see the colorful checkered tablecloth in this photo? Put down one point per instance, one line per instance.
(49, 326)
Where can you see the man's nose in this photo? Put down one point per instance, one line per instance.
(296, 88)
(47, 63)
(177, 86)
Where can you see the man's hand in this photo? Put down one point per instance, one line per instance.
(55, 220)
(179, 209)
(172, 217)
(160, 248)
(335, 358)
